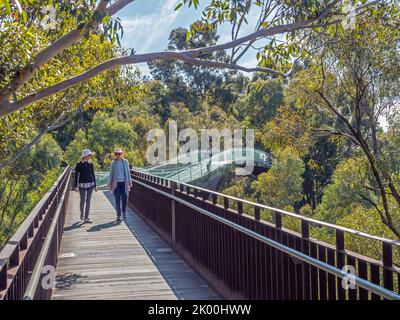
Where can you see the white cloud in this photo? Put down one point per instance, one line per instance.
(150, 32)
(147, 27)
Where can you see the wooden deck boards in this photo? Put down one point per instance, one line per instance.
(109, 260)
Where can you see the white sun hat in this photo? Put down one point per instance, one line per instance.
(118, 150)
(85, 153)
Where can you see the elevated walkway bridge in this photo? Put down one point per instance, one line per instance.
(182, 241)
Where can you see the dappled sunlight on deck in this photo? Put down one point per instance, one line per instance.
(110, 260)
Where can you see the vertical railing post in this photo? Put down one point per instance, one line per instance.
(305, 230)
(24, 242)
(240, 207)
(305, 247)
(14, 258)
(387, 266)
(214, 198)
(278, 220)
(257, 214)
(226, 203)
(277, 258)
(3, 276)
(340, 262)
(173, 217)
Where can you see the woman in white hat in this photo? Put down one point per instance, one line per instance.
(85, 182)
(120, 182)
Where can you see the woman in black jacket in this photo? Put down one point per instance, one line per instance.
(85, 182)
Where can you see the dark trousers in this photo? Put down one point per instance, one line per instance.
(86, 195)
(120, 198)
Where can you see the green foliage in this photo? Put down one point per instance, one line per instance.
(343, 195)
(333, 106)
(95, 94)
(289, 128)
(281, 186)
(276, 54)
(368, 221)
(42, 157)
(214, 118)
(238, 187)
(20, 198)
(306, 210)
(261, 101)
(46, 155)
(73, 150)
(105, 133)
(24, 183)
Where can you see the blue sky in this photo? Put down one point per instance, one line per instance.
(147, 24)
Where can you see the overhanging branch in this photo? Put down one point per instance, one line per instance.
(191, 56)
(26, 73)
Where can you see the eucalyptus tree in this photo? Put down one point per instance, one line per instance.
(350, 93)
(276, 18)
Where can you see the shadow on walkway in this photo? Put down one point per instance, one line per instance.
(73, 226)
(103, 226)
(68, 280)
(182, 280)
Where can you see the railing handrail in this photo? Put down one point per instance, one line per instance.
(26, 230)
(374, 288)
(14, 241)
(37, 271)
(284, 212)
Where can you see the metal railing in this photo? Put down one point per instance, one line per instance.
(242, 256)
(35, 243)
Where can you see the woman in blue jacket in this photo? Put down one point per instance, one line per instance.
(120, 182)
